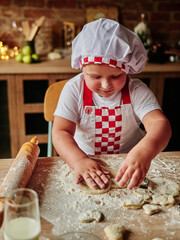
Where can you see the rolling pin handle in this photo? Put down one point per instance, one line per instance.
(34, 140)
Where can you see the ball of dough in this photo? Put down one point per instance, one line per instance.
(115, 231)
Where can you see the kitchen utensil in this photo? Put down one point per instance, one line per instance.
(26, 29)
(145, 183)
(38, 23)
(20, 170)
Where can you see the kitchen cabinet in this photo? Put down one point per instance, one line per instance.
(27, 83)
(26, 86)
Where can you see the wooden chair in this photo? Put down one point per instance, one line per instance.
(50, 102)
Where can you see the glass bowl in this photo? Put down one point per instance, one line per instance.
(77, 236)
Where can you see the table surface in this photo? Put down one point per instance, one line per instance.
(60, 205)
(64, 66)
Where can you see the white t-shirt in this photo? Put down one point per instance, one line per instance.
(70, 104)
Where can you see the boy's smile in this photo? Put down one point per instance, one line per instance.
(104, 80)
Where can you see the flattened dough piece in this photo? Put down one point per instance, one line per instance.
(157, 239)
(164, 186)
(67, 176)
(144, 193)
(150, 209)
(115, 231)
(115, 185)
(163, 200)
(133, 202)
(90, 216)
(87, 189)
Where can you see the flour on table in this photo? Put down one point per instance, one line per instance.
(60, 203)
(160, 190)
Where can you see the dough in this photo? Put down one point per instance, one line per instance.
(144, 193)
(150, 209)
(114, 184)
(90, 216)
(87, 189)
(163, 200)
(164, 186)
(133, 202)
(157, 239)
(67, 176)
(115, 231)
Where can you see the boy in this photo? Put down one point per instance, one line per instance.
(100, 110)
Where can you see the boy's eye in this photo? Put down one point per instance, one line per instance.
(96, 77)
(115, 77)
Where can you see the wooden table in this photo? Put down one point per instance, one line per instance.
(18, 76)
(59, 212)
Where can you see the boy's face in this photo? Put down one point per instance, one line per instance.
(104, 80)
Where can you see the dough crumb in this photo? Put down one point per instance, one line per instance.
(150, 209)
(90, 216)
(115, 231)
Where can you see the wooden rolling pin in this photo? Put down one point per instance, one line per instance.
(20, 171)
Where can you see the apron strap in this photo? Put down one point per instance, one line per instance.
(125, 93)
(87, 97)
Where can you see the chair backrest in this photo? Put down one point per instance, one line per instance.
(50, 103)
(51, 99)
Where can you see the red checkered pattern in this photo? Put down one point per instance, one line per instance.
(107, 130)
(105, 61)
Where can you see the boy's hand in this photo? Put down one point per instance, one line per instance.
(88, 170)
(134, 168)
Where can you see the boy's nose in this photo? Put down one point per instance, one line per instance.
(105, 84)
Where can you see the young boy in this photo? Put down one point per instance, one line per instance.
(100, 110)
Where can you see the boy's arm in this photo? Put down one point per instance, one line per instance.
(138, 160)
(84, 167)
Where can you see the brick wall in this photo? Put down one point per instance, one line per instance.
(163, 17)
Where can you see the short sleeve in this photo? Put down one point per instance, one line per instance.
(142, 98)
(69, 103)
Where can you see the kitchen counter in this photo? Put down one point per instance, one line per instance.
(46, 66)
(64, 65)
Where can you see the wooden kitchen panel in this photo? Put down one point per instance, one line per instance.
(24, 79)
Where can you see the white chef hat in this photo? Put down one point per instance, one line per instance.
(105, 41)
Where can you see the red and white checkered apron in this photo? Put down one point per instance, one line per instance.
(108, 123)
